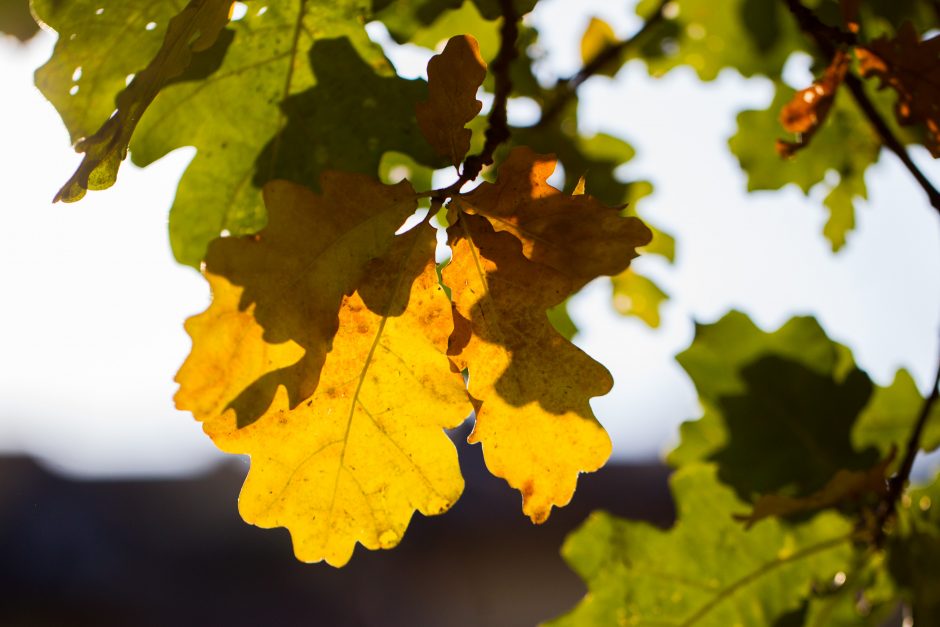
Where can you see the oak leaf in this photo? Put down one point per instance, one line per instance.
(575, 234)
(297, 270)
(453, 79)
(533, 386)
(193, 30)
(809, 107)
(912, 68)
(352, 463)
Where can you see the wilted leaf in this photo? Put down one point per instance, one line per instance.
(194, 30)
(534, 420)
(808, 109)
(453, 79)
(352, 463)
(706, 570)
(845, 486)
(912, 68)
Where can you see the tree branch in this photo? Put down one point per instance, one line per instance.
(566, 88)
(827, 38)
(898, 482)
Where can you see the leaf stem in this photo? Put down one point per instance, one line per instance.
(567, 88)
(827, 39)
(898, 481)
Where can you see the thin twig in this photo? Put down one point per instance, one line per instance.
(826, 39)
(567, 88)
(898, 482)
(497, 130)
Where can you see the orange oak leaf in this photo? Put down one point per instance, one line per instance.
(912, 68)
(808, 109)
(296, 271)
(532, 385)
(575, 234)
(194, 29)
(368, 449)
(453, 79)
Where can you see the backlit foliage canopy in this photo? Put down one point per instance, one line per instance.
(358, 313)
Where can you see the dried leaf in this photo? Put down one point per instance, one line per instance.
(843, 487)
(912, 68)
(810, 107)
(356, 460)
(453, 79)
(195, 29)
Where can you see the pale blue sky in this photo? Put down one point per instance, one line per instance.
(91, 328)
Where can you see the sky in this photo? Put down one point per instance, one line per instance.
(93, 302)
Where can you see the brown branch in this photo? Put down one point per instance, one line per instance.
(898, 482)
(827, 39)
(497, 130)
(567, 88)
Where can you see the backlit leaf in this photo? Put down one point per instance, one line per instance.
(534, 421)
(707, 569)
(770, 398)
(845, 144)
(808, 109)
(453, 79)
(194, 30)
(368, 448)
(296, 271)
(911, 67)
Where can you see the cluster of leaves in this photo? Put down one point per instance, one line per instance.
(337, 350)
(798, 443)
(845, 39)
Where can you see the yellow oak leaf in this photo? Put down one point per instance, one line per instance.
(574, 234)
(453, 79)
(314, 250)
(194, 29)
(532, 386)
(355, 461)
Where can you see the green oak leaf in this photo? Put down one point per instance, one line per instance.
(770, 398)
(268, 49)
(888, 419)
(845, 145)
(347, 89)
(707, 570)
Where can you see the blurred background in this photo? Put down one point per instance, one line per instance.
(116, 509)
